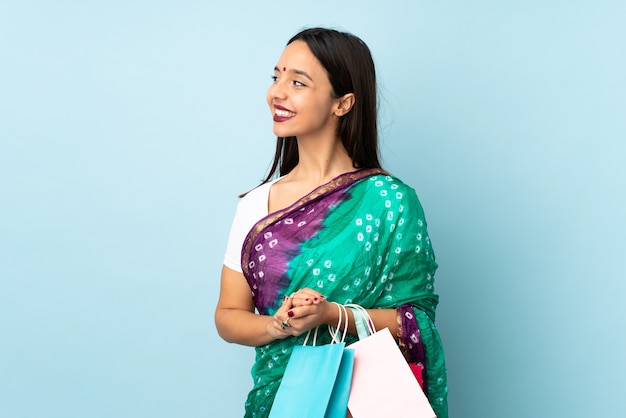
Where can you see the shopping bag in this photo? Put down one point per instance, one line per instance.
(338, 404)
(383, 385)
(308, 381)
(316, 382)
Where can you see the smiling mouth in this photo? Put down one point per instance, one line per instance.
(283, 113)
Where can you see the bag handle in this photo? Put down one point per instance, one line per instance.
(364, 324)
(336, 335)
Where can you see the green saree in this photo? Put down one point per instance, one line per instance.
(361, 238)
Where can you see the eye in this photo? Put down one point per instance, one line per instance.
(274, 78)
(298, 83)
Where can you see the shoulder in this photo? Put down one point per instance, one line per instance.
(386, 186)
(257, 197)
(392, 193)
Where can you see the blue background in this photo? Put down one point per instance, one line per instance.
(127, 129)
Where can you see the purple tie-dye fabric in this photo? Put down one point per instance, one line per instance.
(411, 339)
(363, 242)
(295, 228)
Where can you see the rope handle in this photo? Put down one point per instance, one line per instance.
(364, 324)
(335, 332)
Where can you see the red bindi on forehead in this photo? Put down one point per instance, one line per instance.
(284, 69)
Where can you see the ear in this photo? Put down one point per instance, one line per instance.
(344, 104)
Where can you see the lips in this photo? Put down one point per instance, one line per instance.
(282, 114)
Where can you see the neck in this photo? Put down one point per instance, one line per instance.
(320, 161)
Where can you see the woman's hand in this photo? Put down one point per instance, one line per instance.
(302, 311)
(306, 296)
(306, 309)
(280, 327)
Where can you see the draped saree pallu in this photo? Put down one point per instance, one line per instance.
(360, 238)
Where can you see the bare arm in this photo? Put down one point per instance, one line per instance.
(235, 317)
(311, 309)
(237, 321)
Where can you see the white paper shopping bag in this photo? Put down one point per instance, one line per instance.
(383, 385)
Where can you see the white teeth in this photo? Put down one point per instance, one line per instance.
(283, 113)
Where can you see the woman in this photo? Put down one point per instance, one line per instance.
(333, 227)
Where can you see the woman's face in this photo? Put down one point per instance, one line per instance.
(301, 96)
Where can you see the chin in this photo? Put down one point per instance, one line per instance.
(283, 133)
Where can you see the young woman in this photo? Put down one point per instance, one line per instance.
(327, 225)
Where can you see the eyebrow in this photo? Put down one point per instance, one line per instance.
(299, 72)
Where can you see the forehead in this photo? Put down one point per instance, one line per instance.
(298, 56)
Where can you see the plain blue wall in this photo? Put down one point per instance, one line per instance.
(128, 128)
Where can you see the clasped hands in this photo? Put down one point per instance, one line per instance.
(301, 311)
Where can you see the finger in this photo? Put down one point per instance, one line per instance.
(300, 312)
(302, 300)
(285, 313)
(308, 292)
(316, 296)
(282, 326)
(286, 304)
(307, 297)
(287, 300)
(303, 320)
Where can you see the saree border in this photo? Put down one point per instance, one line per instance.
(341, 181)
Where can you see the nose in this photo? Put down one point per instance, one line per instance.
(277, 90)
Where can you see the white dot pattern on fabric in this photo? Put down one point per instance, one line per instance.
(377, 240)
(369, 233)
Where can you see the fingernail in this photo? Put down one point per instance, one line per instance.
(315, 299)
(290, 314)
(307, 299)
(285, 298)
(322, 297)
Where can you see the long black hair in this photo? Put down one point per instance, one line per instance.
(350, 67)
